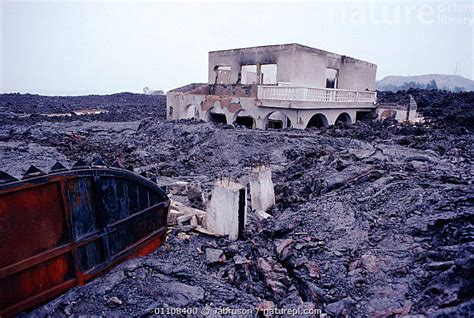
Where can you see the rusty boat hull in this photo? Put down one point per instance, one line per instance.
(65, 228)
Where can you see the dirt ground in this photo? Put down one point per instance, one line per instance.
(372, 219)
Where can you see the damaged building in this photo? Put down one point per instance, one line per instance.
(404, 110)
(278, 86)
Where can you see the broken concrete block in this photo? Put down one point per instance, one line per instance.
(202, 230)
(227, 212)
(184, 215)
(173, 217)
(262, 193)
(178, 206)
(184, 220)
(189, 219)
(262, 215)
(194, 220)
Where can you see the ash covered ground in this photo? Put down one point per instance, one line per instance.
(373, 219)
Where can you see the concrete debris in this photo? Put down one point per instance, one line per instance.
(183, 215)
(261, 215)
(189, 221)
(184, 220)
(204, 231)
(173, 216)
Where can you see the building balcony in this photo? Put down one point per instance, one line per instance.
(318, 95)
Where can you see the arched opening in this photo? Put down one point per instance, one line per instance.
(244, 118)
(317, 121)
(343, 119)
(216, 117)
(364, 116)
(277, 120)
(246, 121)
(190, 111)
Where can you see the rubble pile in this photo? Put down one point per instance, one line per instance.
(372, 219)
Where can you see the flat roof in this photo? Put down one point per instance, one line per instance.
(289, 46)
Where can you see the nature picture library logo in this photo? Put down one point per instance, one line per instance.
(405, 12)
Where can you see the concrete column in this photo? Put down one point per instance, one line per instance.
(261, 188)
(299, 123)
(259, 73)
(230, 117)
(260, 123)
(227, 213)
(412, 109)
(331, 115)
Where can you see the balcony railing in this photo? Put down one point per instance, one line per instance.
(307, 94)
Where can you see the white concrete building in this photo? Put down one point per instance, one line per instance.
(278, 86)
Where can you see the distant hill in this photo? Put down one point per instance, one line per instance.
(447, 82)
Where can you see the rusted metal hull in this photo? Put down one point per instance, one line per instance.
(63, 229)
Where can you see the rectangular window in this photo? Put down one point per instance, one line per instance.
(249, 74)
(223, 73)
(331, 78)
(269, 74)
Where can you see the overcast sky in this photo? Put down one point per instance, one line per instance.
(85, 47)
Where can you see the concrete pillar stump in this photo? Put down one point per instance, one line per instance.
(262, 192)
(227, 213)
